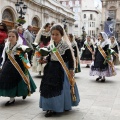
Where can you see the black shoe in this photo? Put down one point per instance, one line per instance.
(97, 79)
(24, 97)
(9, 103)
(49, 113)
(87, 66)
(40, 73)
(102, 80)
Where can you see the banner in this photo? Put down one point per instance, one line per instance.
(109, 28)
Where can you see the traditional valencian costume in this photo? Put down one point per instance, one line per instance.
(58, 90)
(115, 48)
(87, 51)
(102, 65)
(77, 57)
(42, 39)
(15, 79)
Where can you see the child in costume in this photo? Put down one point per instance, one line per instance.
(15, 79)
(55, 88)
(102, 64)
(87, 52)
(115, 50)
(42, 39)
(76, 53)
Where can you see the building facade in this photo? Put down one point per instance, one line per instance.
(91, 17)
(111, 9)
(38, 13)
(75, 6)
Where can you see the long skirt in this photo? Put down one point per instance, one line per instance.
(61, 102)
(12, 84)
(107, 72)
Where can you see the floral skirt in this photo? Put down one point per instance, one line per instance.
(108, 72)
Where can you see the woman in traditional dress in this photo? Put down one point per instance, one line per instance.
(76, 53)
(102, 64)
(12, 83)
(42, 39)
(55, 93)
(3, 36)
(115, 48)
(87, 52)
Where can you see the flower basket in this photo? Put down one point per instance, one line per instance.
(21, 21)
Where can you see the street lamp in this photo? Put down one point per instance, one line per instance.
(83, 30)
(64, 23)
(21, 8)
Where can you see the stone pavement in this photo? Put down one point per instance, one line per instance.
(99, 101)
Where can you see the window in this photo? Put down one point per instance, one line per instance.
(77, 3)
(91, 17)
(84, 15)
(76, 25)
(90, 32)
(70, 3)
(90, 24)
(7, 15)
(112, 14)
(76, 17)
(76, 10)
(35, 22)
(64, 3)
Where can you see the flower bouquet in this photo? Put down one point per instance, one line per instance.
(21, 51)
(41, 53)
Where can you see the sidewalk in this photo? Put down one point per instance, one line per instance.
(99, 101)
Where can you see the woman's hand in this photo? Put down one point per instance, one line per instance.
(42, 61)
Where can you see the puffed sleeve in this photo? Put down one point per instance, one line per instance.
(69, 56)
(75, 51)
(116, 49)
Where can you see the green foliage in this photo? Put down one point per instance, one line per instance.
(21, 21)
(108, 56)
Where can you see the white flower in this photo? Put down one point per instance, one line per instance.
(35, 43)
(24, 47)
(95, 46)
(82, 48)
(112, 50)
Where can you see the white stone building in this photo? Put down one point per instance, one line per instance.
(75, 5)
(91, 17)
(38, 13)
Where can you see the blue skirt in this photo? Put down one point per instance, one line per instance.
(62, 102)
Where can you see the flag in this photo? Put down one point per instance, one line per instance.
(109, 28)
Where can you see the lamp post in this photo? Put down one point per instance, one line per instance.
(83, 30)
(21, 9)
(65, 26)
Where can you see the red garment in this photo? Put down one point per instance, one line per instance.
(3, 36)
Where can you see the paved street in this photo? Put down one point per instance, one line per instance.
(99, 101)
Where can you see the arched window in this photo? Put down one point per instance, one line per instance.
(8, 18)
(112, 12)
(7, 15)
(35, 22)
